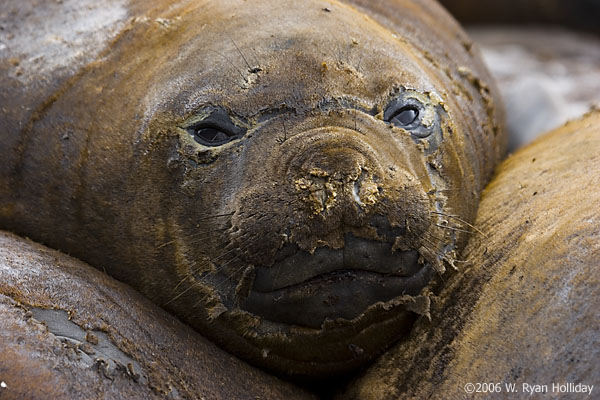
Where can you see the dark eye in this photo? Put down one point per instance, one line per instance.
(404, 113)
(216, 129)
(408, 113)
(405, 116)
(211, 136)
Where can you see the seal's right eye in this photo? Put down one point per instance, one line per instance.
(216, 129)
(211, 136)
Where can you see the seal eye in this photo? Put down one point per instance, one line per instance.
(409, 113)
(212, 136)
(405, 116)
(214, 129)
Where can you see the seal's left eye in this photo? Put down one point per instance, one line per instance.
(405, 116)
(405, 113)
(215, 129)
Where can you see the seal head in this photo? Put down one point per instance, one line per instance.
(338, 172)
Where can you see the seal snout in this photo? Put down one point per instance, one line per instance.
(321, 190)
(346, 236)
(336, 172)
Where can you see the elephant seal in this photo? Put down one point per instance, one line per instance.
(287, 177)
(525, 310)
(104, 340)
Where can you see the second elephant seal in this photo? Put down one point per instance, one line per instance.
(287, 177)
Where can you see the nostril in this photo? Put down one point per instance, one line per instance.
(365, 190)
(355, 195)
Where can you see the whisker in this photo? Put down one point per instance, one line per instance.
(232, 64)
(444, 257)
(192, 286)
(179, 295)
(190, 236)
(255, 55)
(166, 244)
(239, 51)
(241, 268)
(220, 268)
(461, 220)
(199, 268)
(455, 229)
(196, 239)
(348, 47)
(436, 252)
(339, 49)
(442, 240)
(433, 248)
(221, 282)
(362, 53)
(216, 216)
(439, 255)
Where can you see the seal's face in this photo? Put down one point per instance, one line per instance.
(318, 160)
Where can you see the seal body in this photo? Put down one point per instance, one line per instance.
(525, 310)
(285, 177)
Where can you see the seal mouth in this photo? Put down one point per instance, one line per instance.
(307, 289)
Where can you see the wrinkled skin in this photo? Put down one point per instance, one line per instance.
(255, 170)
